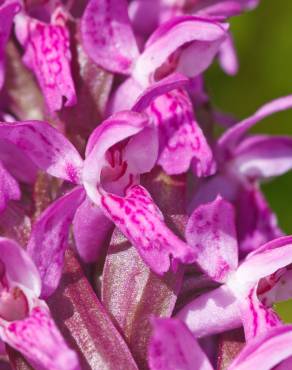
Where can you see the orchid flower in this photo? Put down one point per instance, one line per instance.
(211, 231)
(173, 347)
(47, 54)
(8, 9)
(25, 320)
(107, 189)
(243, 161)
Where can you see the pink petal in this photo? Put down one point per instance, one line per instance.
(39, 340)
(262, 262)
(172, 82)
(182, 142)
(227, 57)
(263, 156)
(224, 8)
(9, 188)
(256, 317)
(173, 347)
(124, 125)
(211, 313)
(91, 229)
(47, 53)
(231, 137)
(19, 268)
(211, 232)
(265, 352)
(8, 9)
(19, 164)
(166, 49)
(46, 147)
(49, 238)
(142, 223)
(107, 35)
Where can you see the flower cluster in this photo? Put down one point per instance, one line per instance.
(132, 237)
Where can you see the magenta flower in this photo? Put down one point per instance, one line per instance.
(173, 347)
(25, 320)
(243, 161)
(109, 177)
(211, 231)
(48, 55)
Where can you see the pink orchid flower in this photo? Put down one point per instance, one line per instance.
(243, 161)
(48, 55)
(174, 347)
(211, 232)
(25, 320)
(107, 190)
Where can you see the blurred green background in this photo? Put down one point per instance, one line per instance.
(263, 39)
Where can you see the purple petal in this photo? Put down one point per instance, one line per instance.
(8, 9)
(107, 35)
(19, 164)
(141, 222)
(224, 8)
(39, 340)
(173, 347)
(46, 147)
(256, 317)
(263, 156)
(211, 313)
(49, 238)
(256, 222)
(91, 229)
(47, 53)
(230, 138)
(166, 50)
(19, 267)
(211, 232)
(182, 142)
(265, 352)
(9, 188)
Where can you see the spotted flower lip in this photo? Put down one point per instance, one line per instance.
(237, 297)
(25, 320)
(108, 178)
(48, 55)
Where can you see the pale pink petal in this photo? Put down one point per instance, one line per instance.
(263, 156)
(114, 130)
(48, 55)
(211, 313)
(18, 266)
(9, 188)
(231, 137)
(49, 238)
(39, 340)
(142, 223)
(211, 232)
(8, 9)
(107, 35)
(266, 351)
(46, 147)
(185, 44)
(19, 164)
(227, 57)
(182, 142)
(256, 317)
(91, 230)
(173, 346)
